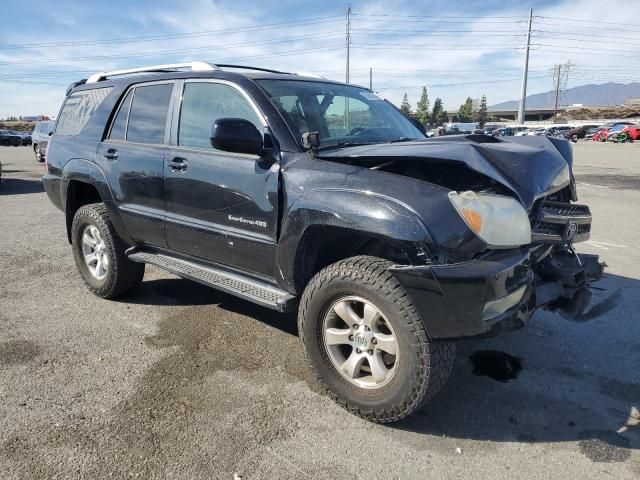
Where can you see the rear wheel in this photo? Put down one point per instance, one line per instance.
(38, 154)
(99, 254)
(366, 342)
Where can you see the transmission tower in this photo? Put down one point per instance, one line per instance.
(560, 81)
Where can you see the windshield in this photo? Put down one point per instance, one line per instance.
(343, 115)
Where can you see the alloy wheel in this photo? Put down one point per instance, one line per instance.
(94, 251)
(360, 342)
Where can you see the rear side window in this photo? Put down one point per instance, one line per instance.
(119, 127)
(148, 114)
(77, 110)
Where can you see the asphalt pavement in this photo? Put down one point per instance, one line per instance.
(178, 380)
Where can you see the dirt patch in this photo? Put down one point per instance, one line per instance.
(604, 446)
(16, 352)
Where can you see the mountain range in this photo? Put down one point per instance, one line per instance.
(592, 95)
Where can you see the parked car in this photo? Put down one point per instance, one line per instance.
(458, 128)
(40, 138)
(603, 134)
(577, 133)
(591, 132)
(633, 132)
(25, 136)
(9, 139)
(390, 247)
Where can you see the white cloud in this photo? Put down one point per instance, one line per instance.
(459, 57)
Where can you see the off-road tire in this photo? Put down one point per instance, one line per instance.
(123, 275)
(424, 365)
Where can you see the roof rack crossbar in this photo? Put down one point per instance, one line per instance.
(194, 66)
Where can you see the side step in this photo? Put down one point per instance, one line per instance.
(236, 284)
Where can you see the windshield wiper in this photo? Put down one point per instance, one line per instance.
(343, 144)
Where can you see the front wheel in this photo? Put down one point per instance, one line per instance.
(366, 342)
(99, 254)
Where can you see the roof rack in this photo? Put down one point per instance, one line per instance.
(194, 66)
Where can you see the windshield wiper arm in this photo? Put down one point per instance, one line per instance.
(342, 144)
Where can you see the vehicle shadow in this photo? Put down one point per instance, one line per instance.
(19, 186)
(579, 382)
(569, 389)
(182, 292)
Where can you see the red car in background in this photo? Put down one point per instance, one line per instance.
(607, 131)
(632, 132)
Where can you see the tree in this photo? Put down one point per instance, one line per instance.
(422, 108)
(465, 112)
(438, 115)
(482, 115)
(405, 107)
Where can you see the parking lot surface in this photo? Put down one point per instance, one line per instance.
(180, 381)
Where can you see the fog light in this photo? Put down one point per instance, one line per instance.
(498, 307)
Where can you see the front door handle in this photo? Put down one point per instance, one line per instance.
(111, 154)
(177, 163)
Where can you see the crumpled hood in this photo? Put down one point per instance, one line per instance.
(529, 166)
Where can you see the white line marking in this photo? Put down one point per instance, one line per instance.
(603, 245)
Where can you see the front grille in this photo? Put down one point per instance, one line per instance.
(550, 221)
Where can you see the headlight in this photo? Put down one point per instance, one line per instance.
(500, 221)
(562, 179)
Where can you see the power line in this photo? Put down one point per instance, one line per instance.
(169, 52)
(270, 26)
(599, 22)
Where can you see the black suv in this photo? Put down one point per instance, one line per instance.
(299, 193)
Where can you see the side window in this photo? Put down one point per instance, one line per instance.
(119, 126)
(78, 108)
(202, 104)
(148, 115)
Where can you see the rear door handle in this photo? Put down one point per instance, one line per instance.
(111, 154)
(177, 163)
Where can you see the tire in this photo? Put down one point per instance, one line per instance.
(38, 153)
(416, 372)
(119, 275)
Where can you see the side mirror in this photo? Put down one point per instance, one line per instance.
(236, 135)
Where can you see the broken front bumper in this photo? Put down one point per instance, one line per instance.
(498, 292)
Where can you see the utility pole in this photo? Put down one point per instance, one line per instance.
(370, 79)
(525, 72)
(556, 73)
(348, 38)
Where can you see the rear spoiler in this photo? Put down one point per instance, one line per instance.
(74, 85)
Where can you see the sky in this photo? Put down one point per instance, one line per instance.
(455, 49)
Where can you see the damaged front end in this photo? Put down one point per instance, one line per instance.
(513, 253)
(500, 290)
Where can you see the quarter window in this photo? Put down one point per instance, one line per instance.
(203, 104)
(78, 108)
(148, 115)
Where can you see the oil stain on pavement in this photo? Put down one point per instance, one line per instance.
(497, 365)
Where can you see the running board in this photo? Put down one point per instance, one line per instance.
(236, 284)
